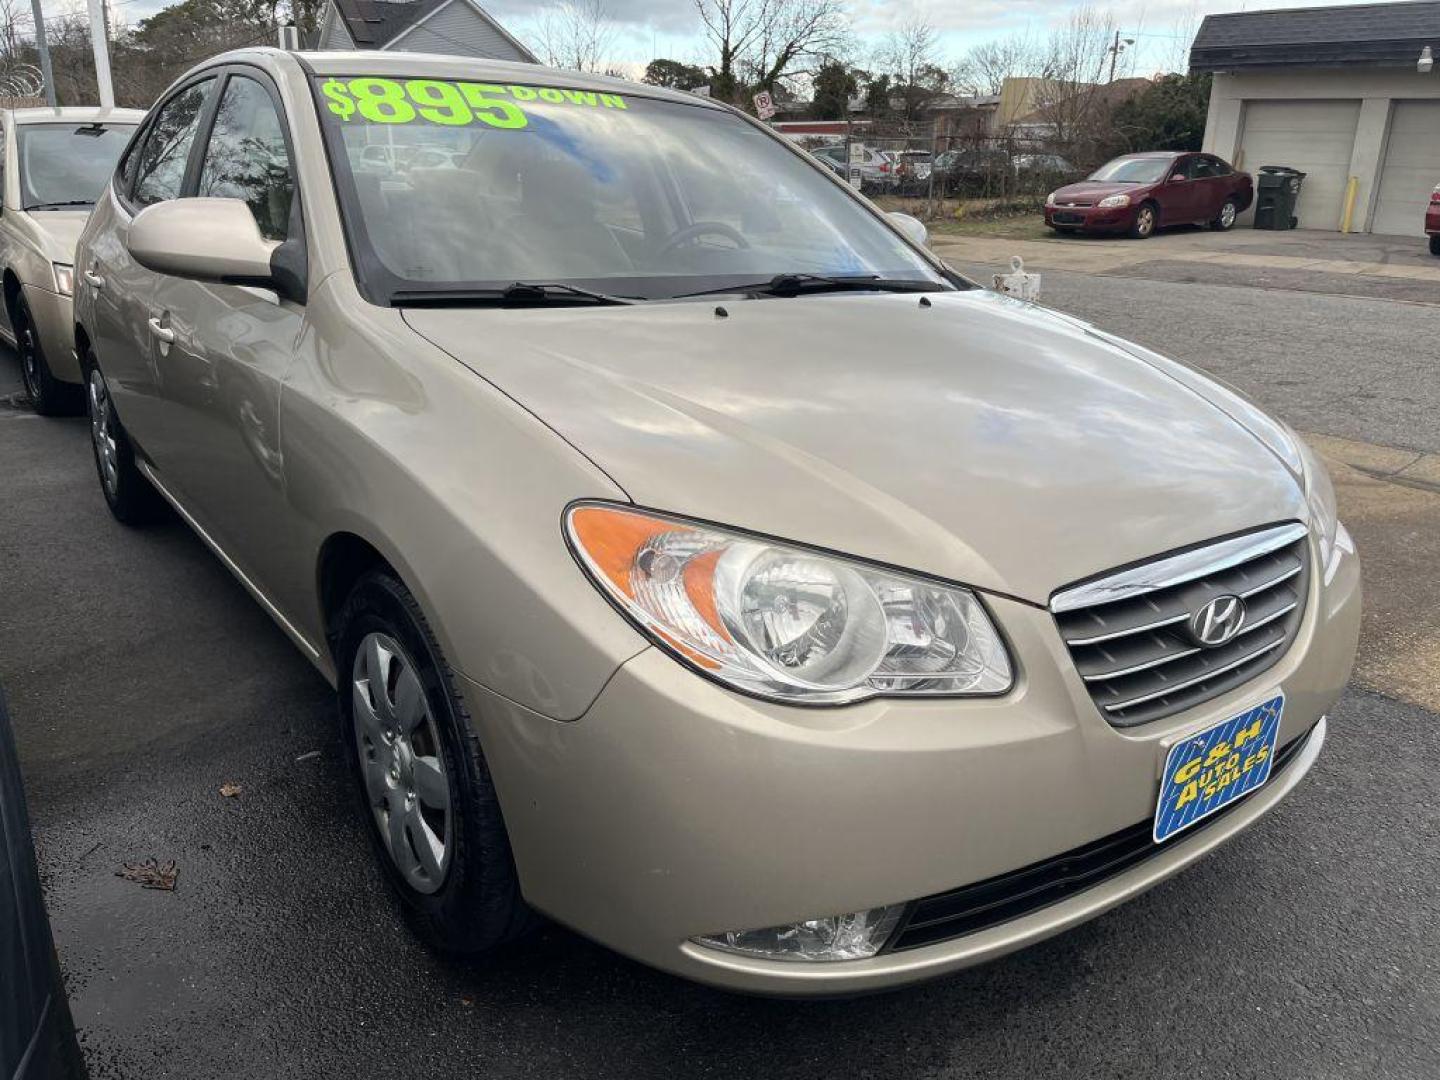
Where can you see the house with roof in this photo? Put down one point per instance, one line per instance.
(1348, 95)
(458, 27)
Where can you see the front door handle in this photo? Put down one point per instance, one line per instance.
(95, 280)
(164, 333)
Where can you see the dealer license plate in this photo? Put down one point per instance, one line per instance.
(1212, 769)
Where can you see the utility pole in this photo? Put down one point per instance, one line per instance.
(43, 48)
(1115, 50)
(99, 40)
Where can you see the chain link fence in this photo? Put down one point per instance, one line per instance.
(933, 173)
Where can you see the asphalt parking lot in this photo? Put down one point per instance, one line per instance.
(142, 678)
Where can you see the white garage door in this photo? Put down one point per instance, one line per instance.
(1411, 169)
(1315, 137)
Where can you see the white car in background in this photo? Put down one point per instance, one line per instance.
(876, 171)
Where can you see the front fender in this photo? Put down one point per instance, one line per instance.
(462, 491)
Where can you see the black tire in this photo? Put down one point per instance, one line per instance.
(48, 395)
(477, 907)
(131, 498)
(1146, 220)
(1435, 244)
(1220, 224)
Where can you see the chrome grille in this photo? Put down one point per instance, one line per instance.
(1132, 637)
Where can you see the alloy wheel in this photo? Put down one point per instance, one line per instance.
(1145, 221)
(1227, 215)
(402, 761)
(29, 351)
(103, 433)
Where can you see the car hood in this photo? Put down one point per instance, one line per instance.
(1091, 191)
(975, 438)
(58, 231)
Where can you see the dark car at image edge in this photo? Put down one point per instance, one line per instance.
(37, 1037)
(1432, 221)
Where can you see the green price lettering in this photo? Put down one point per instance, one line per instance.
(340, 101)
(387, 101)
(493, 110)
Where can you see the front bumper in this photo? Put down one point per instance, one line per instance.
(675, 808)
(1091, 218)
(54, 316)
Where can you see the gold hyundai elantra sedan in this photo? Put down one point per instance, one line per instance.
(698, 561)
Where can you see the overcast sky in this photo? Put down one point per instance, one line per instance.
(1161, 28)
(646, 29)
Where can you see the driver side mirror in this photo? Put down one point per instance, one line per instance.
(913, 228)
(214, 240)
(1177, 177)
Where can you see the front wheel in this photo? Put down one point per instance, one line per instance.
(1225, 220)
(1435, 244)
(423, 783)
(48, 395)
(1144, 223)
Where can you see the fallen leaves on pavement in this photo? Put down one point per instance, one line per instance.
(230, 789)
(151, 874)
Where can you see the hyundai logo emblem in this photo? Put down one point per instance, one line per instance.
(1218, 621)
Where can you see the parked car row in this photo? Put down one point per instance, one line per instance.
(877, 173)
(652, 600)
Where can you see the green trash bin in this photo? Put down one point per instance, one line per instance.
(1277, 192)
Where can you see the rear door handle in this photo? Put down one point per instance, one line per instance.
(164, 333)
(95, 280)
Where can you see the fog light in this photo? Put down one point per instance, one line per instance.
(858, 936)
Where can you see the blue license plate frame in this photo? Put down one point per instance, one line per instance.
(1207, 771)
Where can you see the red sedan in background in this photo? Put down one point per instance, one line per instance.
(1138, 193)
(1432, 221)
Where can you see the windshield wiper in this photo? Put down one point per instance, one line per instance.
(795, 284)
(60, 205)
(517, 292)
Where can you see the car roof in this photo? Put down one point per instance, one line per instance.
(42, 115)
(1155, 154)
(410, 65)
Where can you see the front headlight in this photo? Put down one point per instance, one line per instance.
(1050, 199)
(1320, 496)
(1114, 200)
(785, 623)
(64, 278)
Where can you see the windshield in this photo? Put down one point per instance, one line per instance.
(1145, 170)
(460, 186)
(67, 164)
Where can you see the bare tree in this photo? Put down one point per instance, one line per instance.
(986, 67)
(758, 42)
(576, 34)
(910, 55)
(15, 24)
(1072, 99)
(1181, 36)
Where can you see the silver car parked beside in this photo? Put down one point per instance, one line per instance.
(698, 562)
(58, 161)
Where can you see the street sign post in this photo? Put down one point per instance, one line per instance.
(765, 105)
